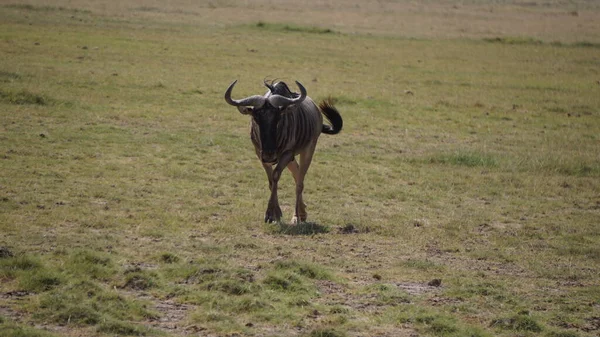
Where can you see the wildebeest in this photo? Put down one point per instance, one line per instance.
(285, 124)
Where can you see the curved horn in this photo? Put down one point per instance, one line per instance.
(278, 100)
(255, 101)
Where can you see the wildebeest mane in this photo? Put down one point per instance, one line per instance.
(278, 87)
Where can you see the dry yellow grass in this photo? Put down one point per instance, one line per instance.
(546, 20)
(461, 198)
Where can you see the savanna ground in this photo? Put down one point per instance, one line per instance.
(462, 197)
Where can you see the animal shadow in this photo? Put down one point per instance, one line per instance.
(303, 228)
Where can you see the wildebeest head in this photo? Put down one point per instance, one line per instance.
(266, 113)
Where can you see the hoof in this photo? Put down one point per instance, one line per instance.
(296, 220)
(273, 215)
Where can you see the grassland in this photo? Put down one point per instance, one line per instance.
(461, 199)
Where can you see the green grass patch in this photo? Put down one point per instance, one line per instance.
(388, 294)
(282, 27)
(586, 44)
(11, 329)
(286, 281)
(130, 194)
(91, 264)
(303, 228)
(169, 258)
(30, 273)
(121, 328)
(522, 40)
(422, 265)
(517, 323)
(8, 76)
(326, 332)
(309, 270)
(24, 97)
(532, 41)
(431, 322)
(562, 334)
(88, 303)
(30, 7)
(468, 159)
(139, 279)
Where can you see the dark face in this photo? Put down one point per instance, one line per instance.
(267, 118)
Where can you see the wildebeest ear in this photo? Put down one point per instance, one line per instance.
(245, 110)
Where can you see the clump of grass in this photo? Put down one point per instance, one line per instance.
(326, 332)
(514, 40)
(517, 323)
(586, 44)
(121, 328)
(40, 280)
(293, 28)
(92, 264)
(421, 264)
(249, 304)
(7, 76)
(147, 9)
(442, 327)
(573, 166)
(29, 7)
(469, 159)
(231, 287)
(304, 228)
(87, 303)
(138, 279)
(79, 314)
(24, 97)
(201, 273)
(286, 281)
(431, 322)
(562, 334)
(486, 289)
(309, 270)
(30, 272)
(169, 258)
(387, 294)
(11, 263)
(18, 330)
(533, 41)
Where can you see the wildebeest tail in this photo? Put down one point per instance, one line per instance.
(333, 116)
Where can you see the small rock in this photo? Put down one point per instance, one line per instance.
(436, 282)
(5, 252)
(348, 229)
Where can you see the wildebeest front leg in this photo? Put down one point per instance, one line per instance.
(305, 160)
(300, 211)
(273, 213)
